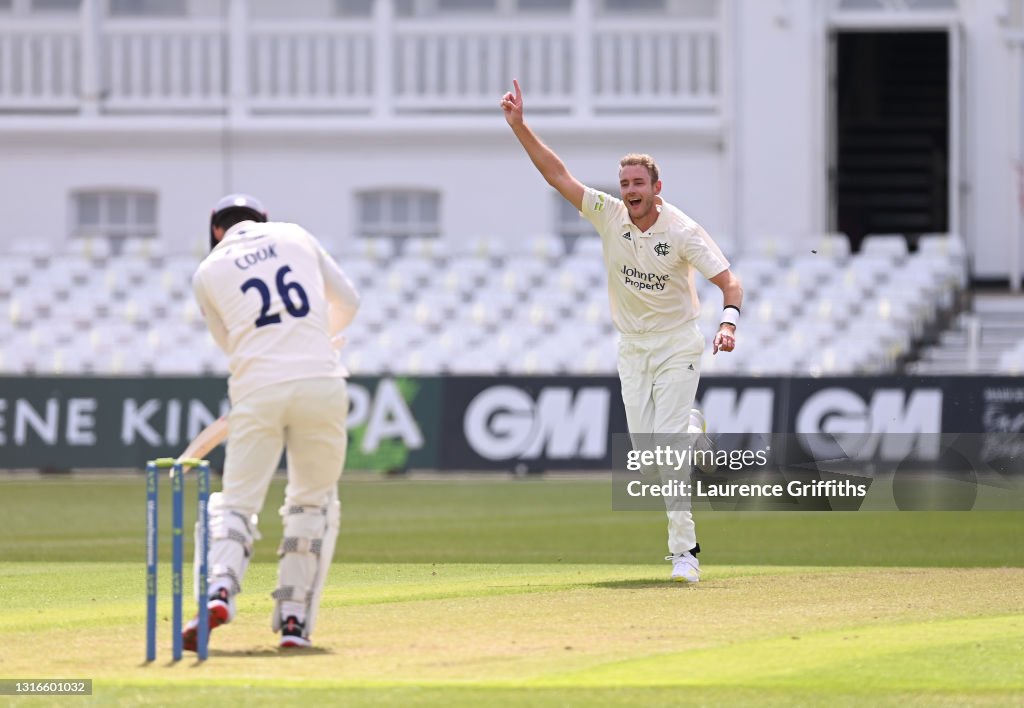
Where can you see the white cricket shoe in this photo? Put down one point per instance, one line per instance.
(685, 567)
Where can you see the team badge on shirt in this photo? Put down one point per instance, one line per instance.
(661, 249)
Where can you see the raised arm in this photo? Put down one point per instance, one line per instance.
(544, 158)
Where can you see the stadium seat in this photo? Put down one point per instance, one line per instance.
(588, 247)
(380, 250)
(545, 247)
(890, 246)
(428, 248)
(146, 250)
(835, 246)
(92, 248)
(488, 247)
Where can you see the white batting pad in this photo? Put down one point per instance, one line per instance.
(326, 556)
(231, 547)
(305, 529)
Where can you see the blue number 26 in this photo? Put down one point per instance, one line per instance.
(285, 290)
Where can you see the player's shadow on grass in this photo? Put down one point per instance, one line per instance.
(270, 651)
(644, 584)
(638, 584)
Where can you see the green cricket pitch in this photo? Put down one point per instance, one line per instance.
(506, 592)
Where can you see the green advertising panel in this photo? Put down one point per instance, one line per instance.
(76, 423)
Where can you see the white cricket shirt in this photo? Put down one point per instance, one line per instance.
(265, 291)
(650, 273)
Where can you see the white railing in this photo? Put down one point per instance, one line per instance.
(664, 67)
(467, 67)
(323, 66)
(164, 65)
(383, 66)
(39, 66)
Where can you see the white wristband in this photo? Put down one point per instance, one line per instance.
(730, 315)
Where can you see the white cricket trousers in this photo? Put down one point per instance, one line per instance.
(659, 374)
(308, 417)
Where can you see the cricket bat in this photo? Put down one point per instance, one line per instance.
(216, 432)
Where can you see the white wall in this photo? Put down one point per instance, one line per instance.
(488, 186)
(778, 112)
(992, 176)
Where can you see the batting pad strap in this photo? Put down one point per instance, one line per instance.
(220, 572)
(298, 509)
(242, 539)
(296, 544)
(288, 593)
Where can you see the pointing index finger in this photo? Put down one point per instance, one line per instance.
(519, 91)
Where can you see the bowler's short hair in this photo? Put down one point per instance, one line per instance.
(636, 158)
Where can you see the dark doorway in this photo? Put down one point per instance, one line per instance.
(892, 133)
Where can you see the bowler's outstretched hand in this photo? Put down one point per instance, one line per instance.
(512, 104)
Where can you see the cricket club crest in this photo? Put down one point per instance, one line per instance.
(661, 248)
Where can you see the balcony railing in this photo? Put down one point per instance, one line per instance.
(579, 64)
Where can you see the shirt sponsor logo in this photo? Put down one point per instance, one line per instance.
(627, 236)
(644, 281)
(599, 204)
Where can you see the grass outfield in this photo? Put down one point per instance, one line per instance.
(533, 592)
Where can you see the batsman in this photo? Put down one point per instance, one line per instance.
(273, 299)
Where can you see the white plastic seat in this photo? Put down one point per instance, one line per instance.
(175, 275)
(597, 356)
(488, 247)
(815, 268)
(143, 249)
(525, 269)
(14, 358)
(862, 276)
(538, 360)
(365, 359)
(758, 270)
(36, 249)
(547, 247)
(421, 361)
(73, 269)
(176, 361)
(93, 248)
(133, 271)
(427, 248)
(504, 302)
(891, 246)
(835, 246)
(123, 362)
(950, 246)
(588, 246)
(475, 361)
(358, 269)
(415, 271)
(381, 250)
(466, 275)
